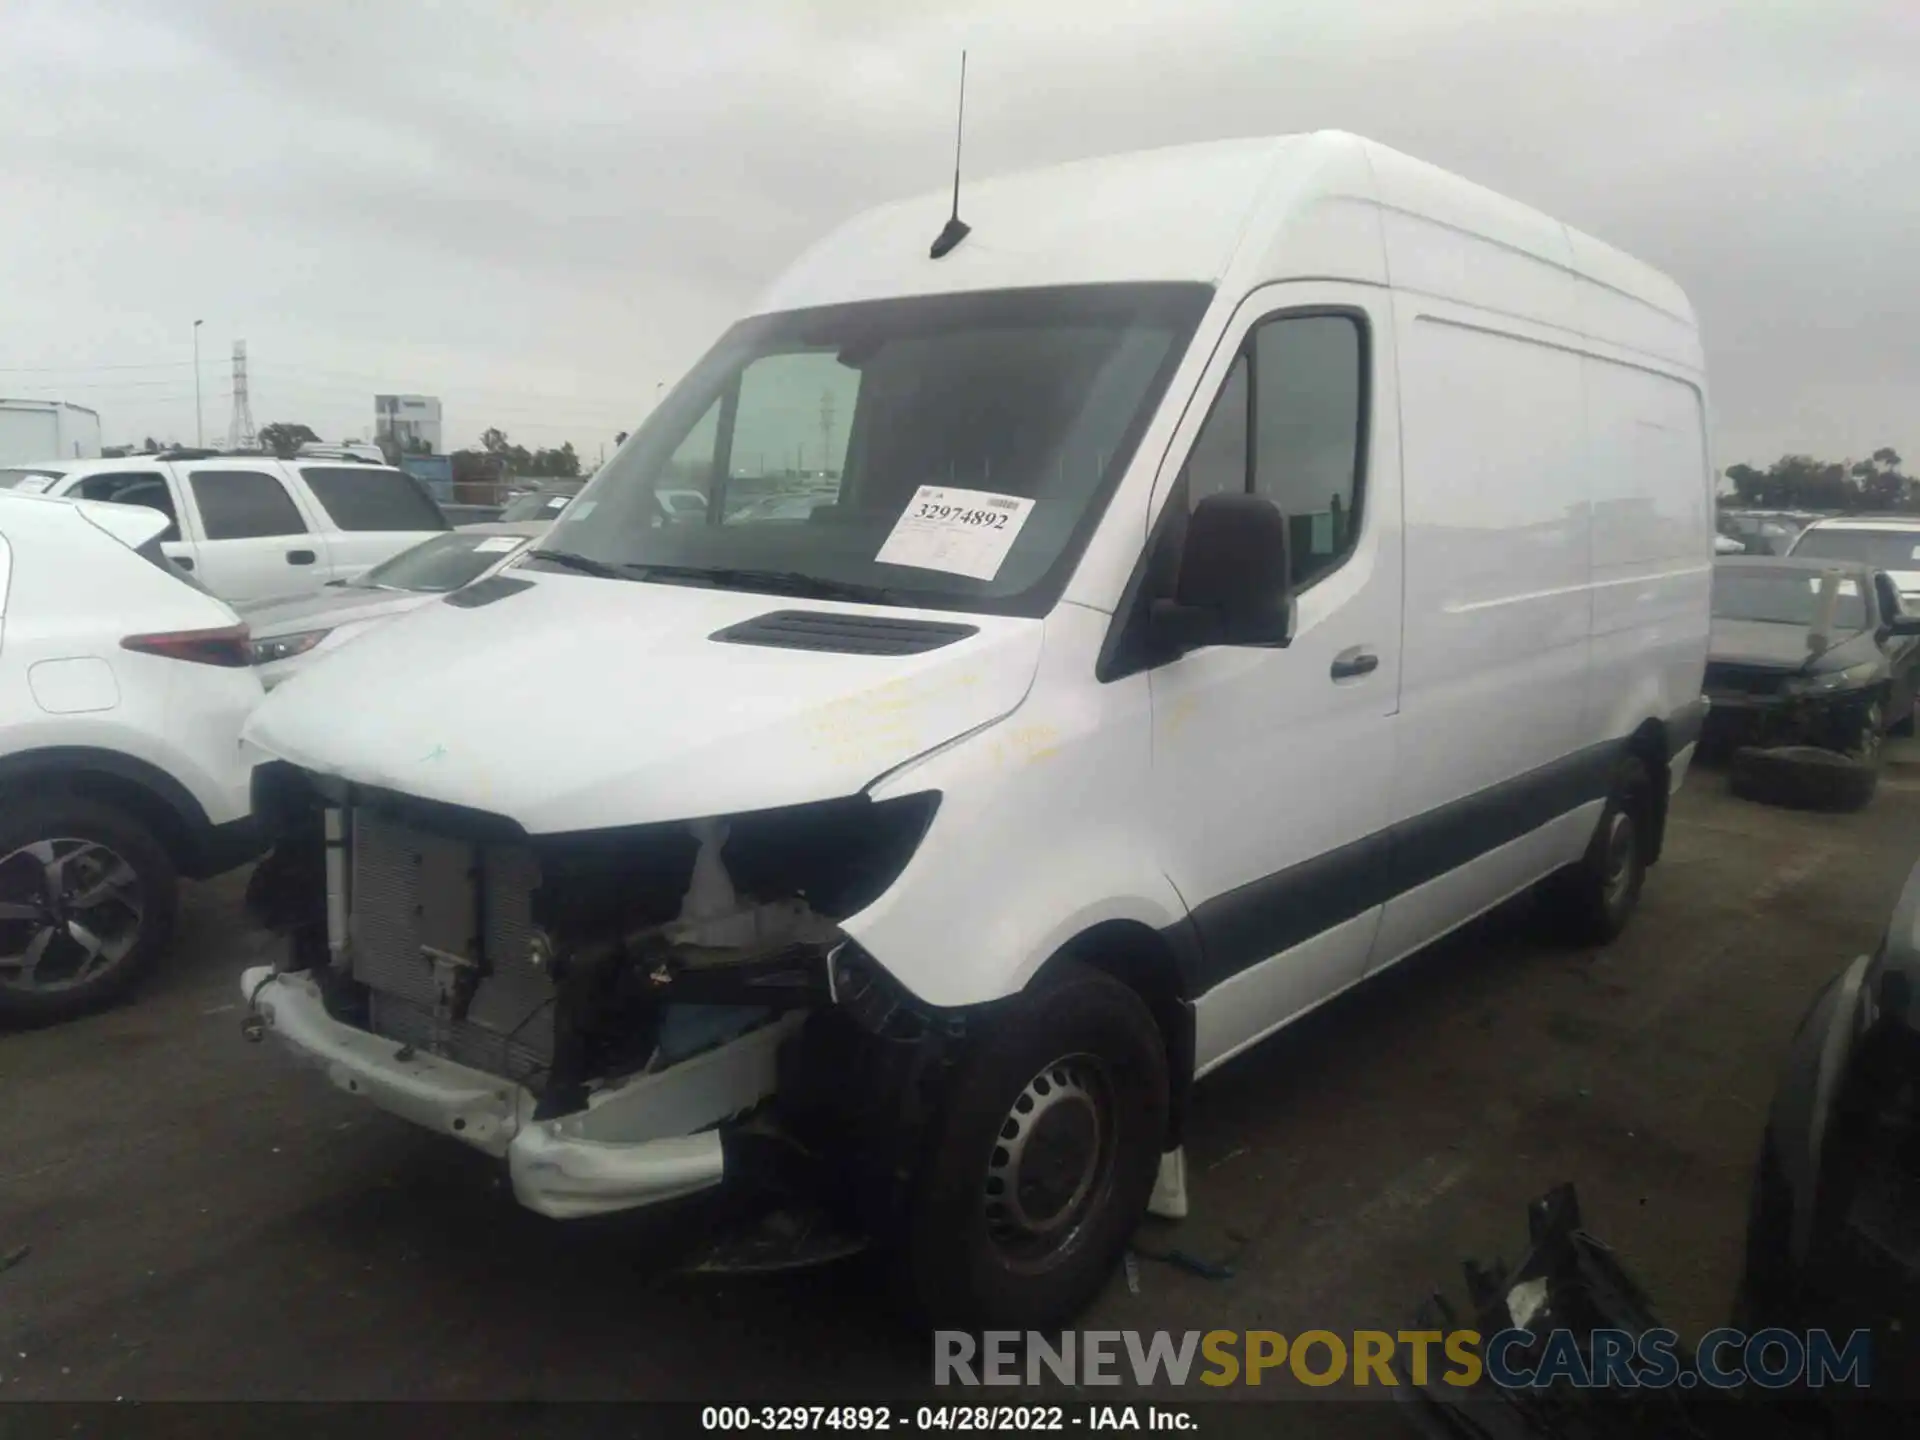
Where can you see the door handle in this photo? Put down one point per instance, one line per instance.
(1351, 663)
(185, 562)
(299, 557)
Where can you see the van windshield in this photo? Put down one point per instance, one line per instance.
(949, 451)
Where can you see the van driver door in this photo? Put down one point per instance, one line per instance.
(1273, 767)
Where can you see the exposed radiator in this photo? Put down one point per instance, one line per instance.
(410, 891)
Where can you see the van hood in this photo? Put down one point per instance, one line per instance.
(334, 605)
(577, 703)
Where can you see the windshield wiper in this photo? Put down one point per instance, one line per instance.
(582, 563)
(779, 582)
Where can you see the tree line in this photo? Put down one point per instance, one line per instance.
(1800, 482)
(497, 457)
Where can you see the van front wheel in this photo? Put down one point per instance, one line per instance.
(1593, 900)
(1044, 1160)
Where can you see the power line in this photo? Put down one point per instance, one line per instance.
(89, 369)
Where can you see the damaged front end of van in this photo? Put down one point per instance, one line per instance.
(612, 1012)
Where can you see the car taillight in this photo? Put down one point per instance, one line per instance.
(229, 645)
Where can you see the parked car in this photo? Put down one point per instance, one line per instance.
(1726, 545)
(1892, 545)
(1831, 1242)
(290, 634)
(546, 503)
(680, 504)
(932, 850)
(35, 479)
(1762, 532)
(252, 526)
(1783, 671)
(122, 689)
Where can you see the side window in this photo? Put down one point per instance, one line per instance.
(1296, 396)
(133, 487)
(1307, 416)
(1218, 462)
(367, 497)
(788, 449)
(244, 504)
(688, 475)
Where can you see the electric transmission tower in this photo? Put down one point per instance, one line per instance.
(826, 430)
(241, 436)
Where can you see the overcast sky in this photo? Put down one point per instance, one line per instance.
(541, 211)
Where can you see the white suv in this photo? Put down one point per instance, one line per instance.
(251, 527)
(123, 686)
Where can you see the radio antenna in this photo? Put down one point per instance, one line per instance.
(955, 229)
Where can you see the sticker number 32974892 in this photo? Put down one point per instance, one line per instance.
(961, 532)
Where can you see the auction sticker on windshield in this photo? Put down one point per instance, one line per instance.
(963, 532)
(498, 544)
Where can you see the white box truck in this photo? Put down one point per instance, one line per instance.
(1246, 564)
(33, 430)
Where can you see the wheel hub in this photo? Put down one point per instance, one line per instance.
(70, 910)
(1049, 1155)
(1620, 847)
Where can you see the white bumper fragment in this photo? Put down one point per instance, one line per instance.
(638, 1142)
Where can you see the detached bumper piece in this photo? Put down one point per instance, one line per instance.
(1567, 1281)
(651, 1138)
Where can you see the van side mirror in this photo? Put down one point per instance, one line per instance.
(1235, 585)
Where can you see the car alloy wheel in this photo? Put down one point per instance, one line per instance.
(70, 912)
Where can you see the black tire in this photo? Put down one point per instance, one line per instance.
(1803, 777)
(1592, 901)
(967, 1259)
(129, 919)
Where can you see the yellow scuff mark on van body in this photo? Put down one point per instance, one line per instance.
(1181, 711)
(1031, 744)
(882, 724)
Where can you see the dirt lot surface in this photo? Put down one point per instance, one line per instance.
(207, 1221)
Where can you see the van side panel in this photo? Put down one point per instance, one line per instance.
(1498, 612)
(1652, 544)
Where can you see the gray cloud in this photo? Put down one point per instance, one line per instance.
(538, 211)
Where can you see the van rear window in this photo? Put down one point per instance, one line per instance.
(363, 497)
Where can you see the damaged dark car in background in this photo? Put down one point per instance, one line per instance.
(1813, 664)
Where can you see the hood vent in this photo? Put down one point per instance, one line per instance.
(485, 592)
(843, 634)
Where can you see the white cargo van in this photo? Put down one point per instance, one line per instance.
(1243, 564)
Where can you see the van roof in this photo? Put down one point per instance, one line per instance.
(1238, 213)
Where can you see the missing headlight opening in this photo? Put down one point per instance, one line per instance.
(571, 965)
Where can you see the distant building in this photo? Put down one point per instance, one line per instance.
(409, 421)
(47, 430)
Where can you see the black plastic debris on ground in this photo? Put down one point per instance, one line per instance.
(1569, 1281)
